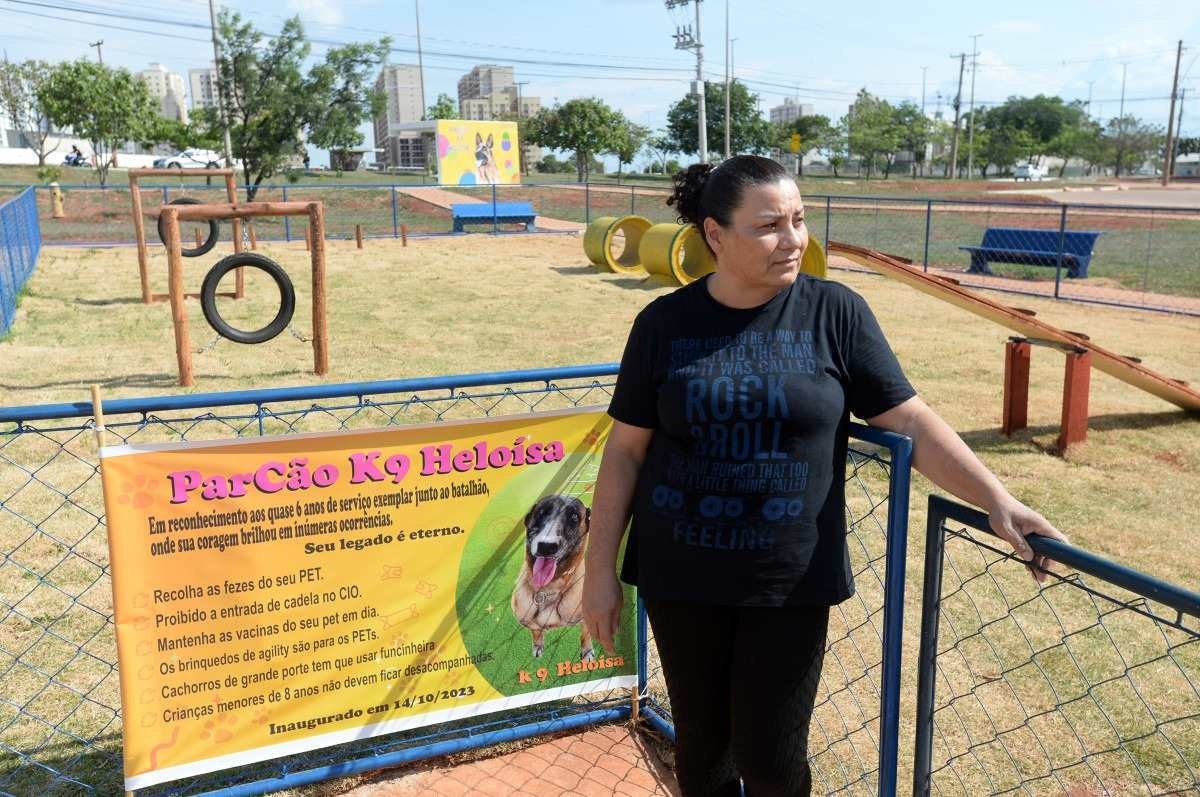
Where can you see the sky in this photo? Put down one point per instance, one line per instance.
(622, 51)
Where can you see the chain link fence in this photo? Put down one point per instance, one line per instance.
(60, 717)
(1086, 686)
(20, 242)
(1127, 256)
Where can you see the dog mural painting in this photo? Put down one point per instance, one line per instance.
(477, 153)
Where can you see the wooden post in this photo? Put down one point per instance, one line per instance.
(316, 234)
(358, 235)
(239, 276)
(253, 236)
(404, 235)
(98, 417)
(1076, 386)
(1016, 387)
(139, 232)
(183, 342)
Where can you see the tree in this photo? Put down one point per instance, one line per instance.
(106, 106)
(270, 104)
(629, 143)
(583, 126)
(1075, 140)
(660, 147)
(750, 131)
(812, 131)
(1187, 145)
(444, 108)
(550, 164)
(833, 146)
(20, 85)
(912, 131)
(201, 131)
(871, 131)
(1134, 140)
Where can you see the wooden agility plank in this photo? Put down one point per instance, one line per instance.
(1121, 367)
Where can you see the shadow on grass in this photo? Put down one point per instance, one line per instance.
(992, 439)
(160, 380)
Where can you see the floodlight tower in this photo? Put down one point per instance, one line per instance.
(687, 38)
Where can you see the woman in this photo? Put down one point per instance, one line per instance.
(728, 450)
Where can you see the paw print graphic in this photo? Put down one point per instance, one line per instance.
(136, 493)
(219, 729)
(260, 717)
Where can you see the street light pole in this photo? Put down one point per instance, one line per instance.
(727, 46)
(212, 18)
(971, 130)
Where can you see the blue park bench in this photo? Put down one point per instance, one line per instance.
(487, 213)
(1033, 247)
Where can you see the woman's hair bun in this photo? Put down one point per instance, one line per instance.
(689, 185)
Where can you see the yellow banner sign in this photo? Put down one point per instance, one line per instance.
(283, 594)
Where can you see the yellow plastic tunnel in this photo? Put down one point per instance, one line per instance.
(677, 252)
(814, 262)
(598, 241)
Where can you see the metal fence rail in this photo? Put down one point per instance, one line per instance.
(1087, 686)
(60, 719)
(20, 242)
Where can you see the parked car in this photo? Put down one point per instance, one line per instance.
(190, 158)
(1028, 171)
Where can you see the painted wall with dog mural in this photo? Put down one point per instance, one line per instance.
(283, 594)
(477, 153)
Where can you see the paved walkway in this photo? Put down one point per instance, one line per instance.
(600, 762)
(440, 198)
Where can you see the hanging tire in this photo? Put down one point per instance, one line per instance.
(287, 298)
(214, 231)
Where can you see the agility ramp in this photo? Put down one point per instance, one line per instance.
(600, 235)
(1116, 365)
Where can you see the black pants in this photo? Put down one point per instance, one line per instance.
(742, 682)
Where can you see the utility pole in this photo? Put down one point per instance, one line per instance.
(420, 58)
(924, 69)
(727, 46)
(1168, 155)
(971, 131)
(1121, 123)
(520, 83)
(686, 40)
(1089, 102)
(97, 45)
(952, 173)
(212, 20)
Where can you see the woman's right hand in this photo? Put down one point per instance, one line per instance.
(602, 600)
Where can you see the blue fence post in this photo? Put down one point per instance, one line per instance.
(928, 224)
(287, 222)
(495, 224)
(395, 215)
(166, 195)
(1062, 239)
(899, 488)
(935, 543)
(632, 199)
(828, 213)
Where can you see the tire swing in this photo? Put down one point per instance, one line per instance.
(214, 230)
(287, 298)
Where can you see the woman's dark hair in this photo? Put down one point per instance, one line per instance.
(703, 190)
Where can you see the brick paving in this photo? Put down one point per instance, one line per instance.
(607, 760)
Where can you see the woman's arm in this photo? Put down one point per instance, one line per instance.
(940, 454)
(623, 456)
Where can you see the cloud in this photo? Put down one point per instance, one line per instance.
(318, 11)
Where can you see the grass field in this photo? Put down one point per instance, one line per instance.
(480, 303)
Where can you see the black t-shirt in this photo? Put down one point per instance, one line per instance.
(740, 500)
